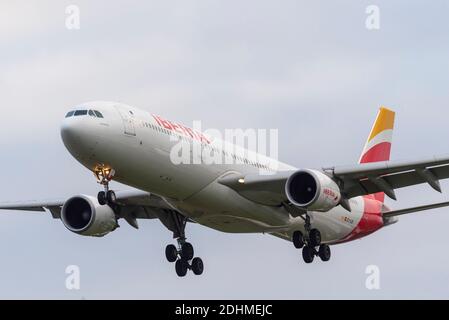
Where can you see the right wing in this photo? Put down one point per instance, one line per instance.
(143, 203)
(133, 204)
(54, 206)
(31, 205)
(139, 204)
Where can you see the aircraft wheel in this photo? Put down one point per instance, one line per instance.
(298, 239)
(308, 254)
(181, 268)
(324, 252)
(187, 251)
(197, 266)
(171, 253)
(314, 238)
(102, 198)
(111, 197)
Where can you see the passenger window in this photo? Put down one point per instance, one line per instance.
(70, 114)
(80, 113)
(98, 114)
(91, 113)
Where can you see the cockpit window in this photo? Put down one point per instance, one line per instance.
(80, 113)
(92, 113)
(98, 114)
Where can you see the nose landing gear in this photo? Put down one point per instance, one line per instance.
(105, 175)
(310, 242)
(106, 197)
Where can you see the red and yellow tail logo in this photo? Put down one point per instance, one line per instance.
(378, 145)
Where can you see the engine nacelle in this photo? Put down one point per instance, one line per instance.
(85, 216)
(312, 190)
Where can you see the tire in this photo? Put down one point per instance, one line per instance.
(102, 198)
(308, 254)
(181, 268)
(187, 251)
(171, 253)
(324, 252)
(298, 239)
(314, 238)
(197, 266)
(111, 197)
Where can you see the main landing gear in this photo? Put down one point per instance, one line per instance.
(184, 255)
(311, 243)
(105, 175)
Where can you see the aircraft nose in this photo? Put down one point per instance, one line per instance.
(70, 133)
(77, 136)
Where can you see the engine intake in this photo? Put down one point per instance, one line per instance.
(312, 190)
(85, 216)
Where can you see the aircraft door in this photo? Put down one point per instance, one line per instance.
(128, 120)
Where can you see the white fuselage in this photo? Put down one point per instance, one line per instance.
(138, 148)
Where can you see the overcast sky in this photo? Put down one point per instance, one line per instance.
(311, 69)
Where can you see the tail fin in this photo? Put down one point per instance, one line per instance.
(378, 145)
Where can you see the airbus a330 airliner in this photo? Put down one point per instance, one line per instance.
(312, 208)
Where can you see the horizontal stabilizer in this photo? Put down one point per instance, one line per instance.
(415, 209)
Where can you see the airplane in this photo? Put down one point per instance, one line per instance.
(312, 208)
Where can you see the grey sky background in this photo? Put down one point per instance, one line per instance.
(310, 69)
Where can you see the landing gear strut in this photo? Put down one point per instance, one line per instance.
(105, 175)
(184, 254)
(309, 243)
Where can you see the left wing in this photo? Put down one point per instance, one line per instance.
(357, 180)
(390, 175)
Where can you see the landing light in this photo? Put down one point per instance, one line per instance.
(104, 174)
(242, 181)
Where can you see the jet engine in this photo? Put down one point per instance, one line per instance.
(312, 190)
(85, 216)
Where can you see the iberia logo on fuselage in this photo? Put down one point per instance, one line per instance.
(182, 130)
